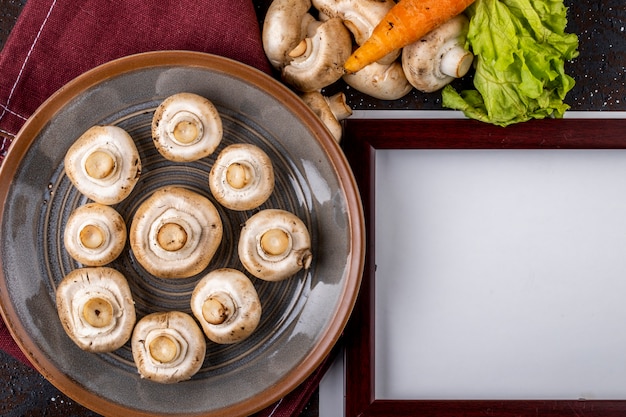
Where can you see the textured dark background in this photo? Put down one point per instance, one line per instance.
(600, 74)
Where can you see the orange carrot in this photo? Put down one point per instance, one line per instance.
(405, 23)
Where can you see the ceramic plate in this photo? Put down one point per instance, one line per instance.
(303, 316)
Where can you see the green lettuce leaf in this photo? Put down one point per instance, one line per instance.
(520, 49)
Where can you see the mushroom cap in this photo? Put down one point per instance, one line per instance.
(439, 57)
(274, 244)
(186, 127)
(242, 177)
(284, 27)
(95, 234)
(322, 62)
(384, 82)
(175, 233)
(96, 308)
(227, 305)
(168, 347)
(103, 164)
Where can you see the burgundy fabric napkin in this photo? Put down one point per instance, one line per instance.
(54, 41)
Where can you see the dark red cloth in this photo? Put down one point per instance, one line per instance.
(54, 41)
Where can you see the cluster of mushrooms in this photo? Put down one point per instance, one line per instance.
(174, 234)
(308, 41)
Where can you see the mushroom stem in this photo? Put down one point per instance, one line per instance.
(338, 106)
(456, 62)
(92, 236)
(239, 175)
(301, 48)
(164, 349)
(186, 127)
(99, 164)
(275, 242)
(172, 237)
(218, 308)
(98, 312)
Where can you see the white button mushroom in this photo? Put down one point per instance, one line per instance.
(103, 164)
(284, 27)
(274, 244)
(175, 233)
(384, 82)
(227, 306)
(96, 308)
(331, 110)
(242, 177)
(360, 17)
(95, 234)
(439, 57)
(186, 127)
(168, 347)
(318, 62)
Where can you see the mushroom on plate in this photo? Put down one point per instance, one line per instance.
(186, 127)
(168, 347)
(96, 308)
(331, 110)
(439, 57)
(95, 234)
(175, 232)
(274, 244)
(103, 164)
(318, 59)
(227, 305)
(242, 177)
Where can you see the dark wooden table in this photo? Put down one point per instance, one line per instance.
(600, 74)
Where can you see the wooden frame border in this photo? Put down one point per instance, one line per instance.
(362, 138)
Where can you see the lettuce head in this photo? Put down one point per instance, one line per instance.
(520, 49)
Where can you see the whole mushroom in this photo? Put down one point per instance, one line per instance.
(175, 233)
(96, 308)
(227, 305)
(168, 347)
(242, 177)
(274, 244)
(95, 234)
(439, 57)
(284, 27)
(381, 81)
(331, 110)
(360, 17)
(103, 164)
(186, 127)
(318, 60)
